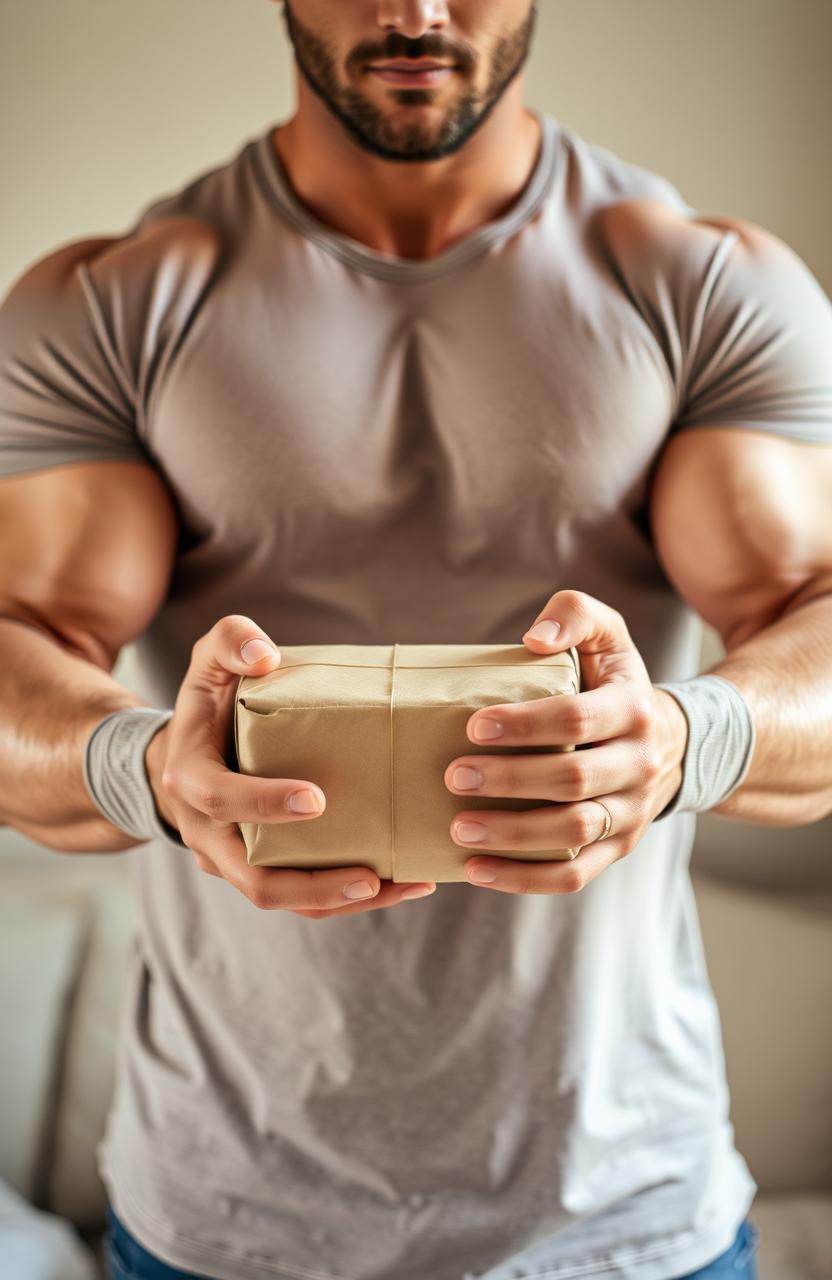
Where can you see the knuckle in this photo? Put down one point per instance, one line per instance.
(575, 776)
(574, 715)
(573, 880)
(585, 827)
(170, 780)
(651, 763)
(577, 602)
(263, 805)
(504, 778)
(259, 896)
(320, 893)
(226, 628)
(643, 713)
(510, 834)
(212, 802)
(520, 721)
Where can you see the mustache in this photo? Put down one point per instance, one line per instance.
(398, 45)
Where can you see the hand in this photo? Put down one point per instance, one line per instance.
(635, 738)
(203, 799)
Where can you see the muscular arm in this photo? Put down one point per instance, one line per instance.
(87, 555)
(741, 523)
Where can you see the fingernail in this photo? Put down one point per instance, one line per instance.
(488, 729)
(471, 831)
(482, 875)
(465, 778)
(303, 802)
(254, 650)
(416, 892)
(359, 889)
(546, 631)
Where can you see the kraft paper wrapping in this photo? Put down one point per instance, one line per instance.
(375, 726)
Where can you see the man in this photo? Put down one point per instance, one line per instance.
(419, 365)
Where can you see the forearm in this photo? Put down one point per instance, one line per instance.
(784, 672)
(50, 700)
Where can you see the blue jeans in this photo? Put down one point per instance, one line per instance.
(127, 1260)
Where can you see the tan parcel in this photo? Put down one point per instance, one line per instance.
(375, 726)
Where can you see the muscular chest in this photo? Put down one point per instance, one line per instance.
(338, 425)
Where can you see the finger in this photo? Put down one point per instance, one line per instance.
(597, 631)
(275, 888)
(557, 775)
(556, 826)
(567, 719)
(515, 876)
(205, 864)
(389, 895)
(226, 796)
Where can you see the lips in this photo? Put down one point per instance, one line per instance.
(412, 64)
(420, 72)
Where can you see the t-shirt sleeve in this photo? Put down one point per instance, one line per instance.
(757, 341)
(66, 394)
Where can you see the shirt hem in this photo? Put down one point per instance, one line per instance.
(683, 1253)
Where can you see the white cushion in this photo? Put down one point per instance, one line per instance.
(40, 1246)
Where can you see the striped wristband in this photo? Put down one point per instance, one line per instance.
(115, 774)
(721, 737)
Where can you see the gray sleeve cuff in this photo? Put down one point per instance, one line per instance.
(721, 737)
(115, 775)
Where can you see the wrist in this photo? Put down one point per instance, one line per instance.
(677, 733)
(155, 757)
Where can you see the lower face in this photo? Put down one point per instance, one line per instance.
(407, 115)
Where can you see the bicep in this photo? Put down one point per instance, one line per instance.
(740, 521)
(87, 552)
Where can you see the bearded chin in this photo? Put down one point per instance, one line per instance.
(375, 132)
(406, 142)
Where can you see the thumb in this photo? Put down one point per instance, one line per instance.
(597, 631)
(235, 644)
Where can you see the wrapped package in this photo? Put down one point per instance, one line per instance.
(375, 727)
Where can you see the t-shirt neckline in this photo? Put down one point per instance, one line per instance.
(388, 266)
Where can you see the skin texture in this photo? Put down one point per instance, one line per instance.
(740, 521)
(405, 206)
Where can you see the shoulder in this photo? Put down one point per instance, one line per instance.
(122, 284)
(634, 221)
(177, 239)
(655, 240)
(639, 216)
(152, 242)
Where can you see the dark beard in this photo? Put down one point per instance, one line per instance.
(369, 127)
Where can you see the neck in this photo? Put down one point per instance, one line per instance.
(405, 209)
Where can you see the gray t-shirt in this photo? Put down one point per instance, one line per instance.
(367, 449)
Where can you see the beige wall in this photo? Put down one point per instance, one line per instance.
(107, 104)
